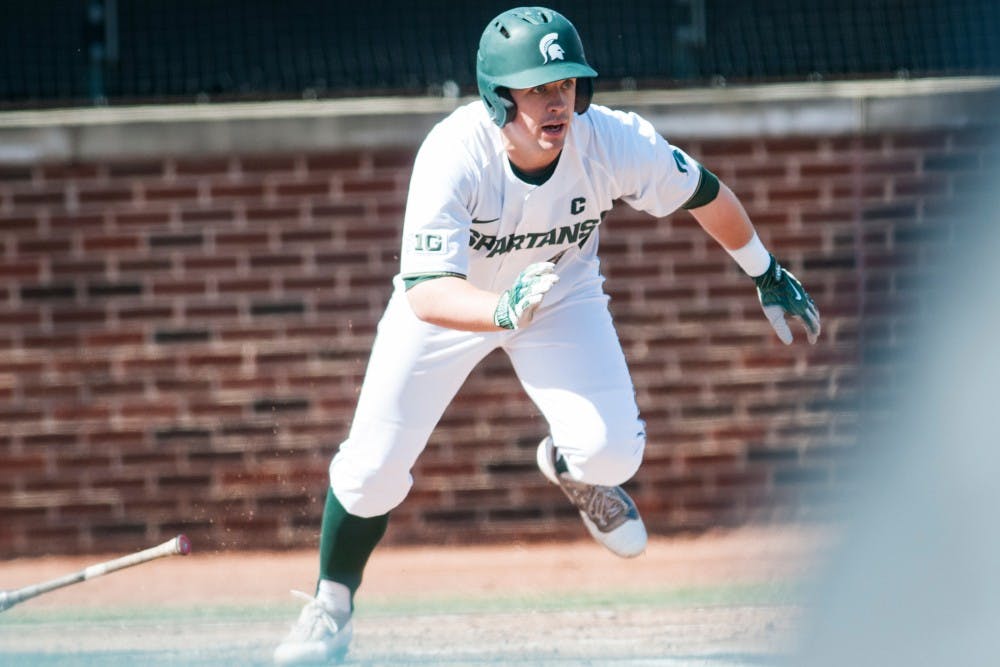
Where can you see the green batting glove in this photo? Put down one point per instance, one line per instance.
(781, 294)
(517, 305)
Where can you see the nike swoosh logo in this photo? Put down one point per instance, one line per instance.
(483, 222)
(798, 297)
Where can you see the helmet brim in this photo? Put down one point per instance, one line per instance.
(545, 74)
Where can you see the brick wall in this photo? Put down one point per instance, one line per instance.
(182, 341)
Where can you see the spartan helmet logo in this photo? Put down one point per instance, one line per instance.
(550, 49)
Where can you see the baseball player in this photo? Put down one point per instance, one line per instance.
(499, 250)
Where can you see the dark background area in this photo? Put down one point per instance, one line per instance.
(73, 52)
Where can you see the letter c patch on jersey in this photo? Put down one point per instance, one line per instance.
(427, 243)
(577, 205)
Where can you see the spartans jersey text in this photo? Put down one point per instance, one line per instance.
(577, 233)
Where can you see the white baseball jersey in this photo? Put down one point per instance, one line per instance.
(468, 214)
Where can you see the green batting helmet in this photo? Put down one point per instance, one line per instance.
(527, 47)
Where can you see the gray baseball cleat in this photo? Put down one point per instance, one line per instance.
(607, 511)
(316, 638)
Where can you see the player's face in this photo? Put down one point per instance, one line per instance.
(538, 132)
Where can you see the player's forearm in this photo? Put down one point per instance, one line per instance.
(726, 221)
(453, 303)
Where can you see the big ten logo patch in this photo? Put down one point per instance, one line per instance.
(427, 243)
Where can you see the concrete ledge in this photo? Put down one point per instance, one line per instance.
(816, 109)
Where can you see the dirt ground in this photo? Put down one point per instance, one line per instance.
(748, 555)
(698, 600)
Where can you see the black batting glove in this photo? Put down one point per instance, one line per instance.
(781, 294)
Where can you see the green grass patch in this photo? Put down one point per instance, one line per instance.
(425, 604)
(731, 595)
(148, 614)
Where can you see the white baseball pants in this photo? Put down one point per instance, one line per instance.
(568, 360)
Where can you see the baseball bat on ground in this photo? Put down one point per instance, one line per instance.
(178, 545)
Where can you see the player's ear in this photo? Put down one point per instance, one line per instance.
(584, 92)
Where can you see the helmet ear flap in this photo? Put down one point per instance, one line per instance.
(499, 103)
(509, 109)
(584, 93)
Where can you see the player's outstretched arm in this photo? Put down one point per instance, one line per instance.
(780, 293)
(452, 302)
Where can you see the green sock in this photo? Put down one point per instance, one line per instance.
(346, 541)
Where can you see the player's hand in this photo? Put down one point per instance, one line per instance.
(781, 294)
(517, 305)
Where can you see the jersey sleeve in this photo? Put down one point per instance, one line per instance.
(436, 222)
(653, 175)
